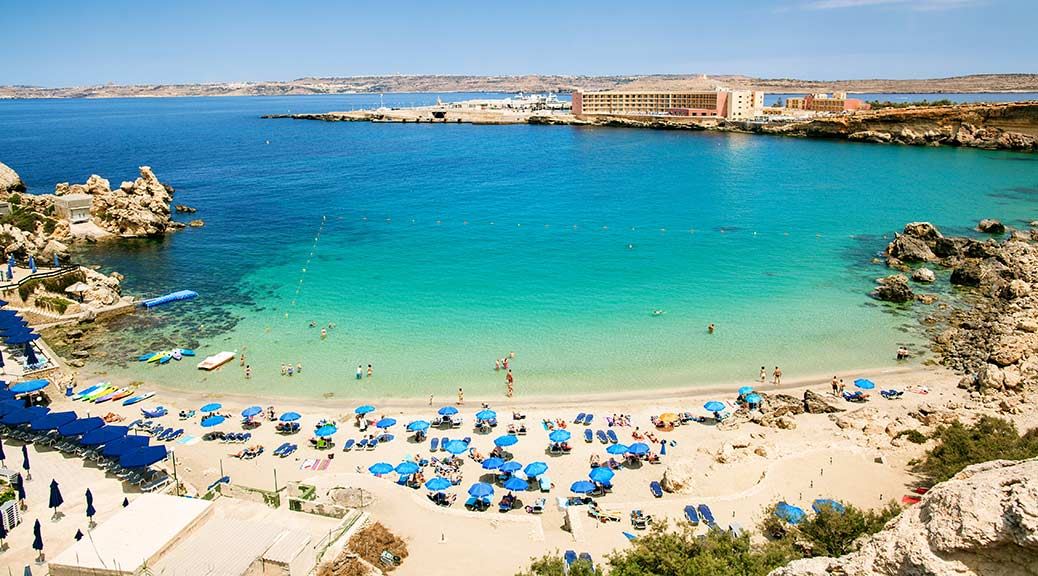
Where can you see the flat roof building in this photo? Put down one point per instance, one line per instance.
(838, 102)
(729, 104)
(74, 207)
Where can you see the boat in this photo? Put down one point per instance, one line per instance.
(178, 296)
(109, 396)
(138, 398)
(216, 360)
(186, 351)
(79, 395)
(176, 355)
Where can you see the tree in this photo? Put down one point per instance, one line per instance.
(959, 446)
(832, 533)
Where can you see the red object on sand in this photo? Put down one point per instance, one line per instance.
(910, 500)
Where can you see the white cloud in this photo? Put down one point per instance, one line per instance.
(919, 5)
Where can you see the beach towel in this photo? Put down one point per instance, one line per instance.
(323, 464)
(307, 464)
(188, 440)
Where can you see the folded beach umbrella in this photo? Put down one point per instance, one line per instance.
(438, 483)
(386, 423)
(447, 411)
(456, 447)
(30, 354)
(290, 417)
(418, 426)
(90, 504)
(116, 448)
(617, 449)
(506, 440)
(516, 484)
(406, 468)
(212, 420)
(25, 458)
(211, 407)
(492, 463)
(364, 409)
(638, 448)
(486, 415)
(380, 468)
(2, 456)
(601, 474)
(745, 390)
(753, 398)
(52, 421)
(251, 411)
(141, 457)
(19, 487)
(864, 384)
(481, 490)
(37, 537)
(714, 406)
(32, 264)
(103, 435)
(559, 435)
(29, 386)
(55, 496)
(534, 469)
(81, 426)
(511, 466)
(582, 487)
(326, 430)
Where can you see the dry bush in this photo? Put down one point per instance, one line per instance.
(346, 564)
(368, 543)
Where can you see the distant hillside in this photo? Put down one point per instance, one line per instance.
(531, 83)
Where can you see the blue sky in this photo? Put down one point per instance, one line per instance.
(64, 43)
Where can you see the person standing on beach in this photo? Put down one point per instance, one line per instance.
(360, 372)
(510, 382)
(841, 387)
(299, 367)
(836, 385)
(777, 375)
(763, 375)
(461, 396)
(248, 371)
(370, 371)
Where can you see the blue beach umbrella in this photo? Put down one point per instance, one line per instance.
(55, 496)
(486, 415)
(638, 448)
(481, 490)
(37, 537)
(211, 407)
(438, 483)
(418, 426)
(789, 513)
(81, 426)
(753, 399)
(212, 420)
(447, 411)
(582, 487)
(326, 430)
(826, 503)
(24, 415)
(506, 440)
(251, 411)
(380, 468)
(745, 390)
(364, 409)
(52, 421)
(864, 384)
(559, 436)
(714, 406)
(510, 466)
(617, 449)
(516, 484)
(534, 469)
(385, 423)
(492, 463)
(103, 435)
(126, 444)
(601, 474)
(141, 457)
(28, 385)
(456, 447)
(90, 504)
(406, 468)
(290, 417)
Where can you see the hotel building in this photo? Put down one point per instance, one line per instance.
(728, 104)
(838, 102)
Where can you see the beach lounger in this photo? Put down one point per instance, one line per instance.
(735, 529)
(585, 557)
(177, 434)
(706, 515)
(277, 451)
(640, 520)
(443, 443)
(589, 436)
(579, 419)
(362, 444)
(434, 444)
(348, 445)
(892, 394)
(569, 557)
(656, 489)
(389, 559)
(544, 483)
(612, 437)
(588, 419)
(602, 437)
(291, 448)
(691, 515)
(537, 507)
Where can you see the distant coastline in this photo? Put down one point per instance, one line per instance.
(445, 84)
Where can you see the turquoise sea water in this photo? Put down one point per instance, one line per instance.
(437, 248)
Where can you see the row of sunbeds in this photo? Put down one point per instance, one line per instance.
(366, 443)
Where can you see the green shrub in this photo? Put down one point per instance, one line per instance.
(831, 533)
(54, 303)
(913, 436)
(959, 446)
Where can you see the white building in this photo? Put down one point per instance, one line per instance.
(74, 207)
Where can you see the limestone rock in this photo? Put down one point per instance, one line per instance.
(893, 288)
(10, 181)
(1016, 289)
(786, 423)
(678, 478)
(924, 275)
(968, 274)
(991, 226)
(815, 403)
(984, 521)
(910, 249)
(138, 208)
(198, 223)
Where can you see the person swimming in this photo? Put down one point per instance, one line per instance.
(324, 333)
(710, 328)
(360, 372)
(658, 312)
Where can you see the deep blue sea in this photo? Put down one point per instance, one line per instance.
(435, 249)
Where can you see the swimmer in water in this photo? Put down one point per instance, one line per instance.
(657, 312)
(360, 372)
(710, 328)
(324, 333)
(497, 365)
(313, 324)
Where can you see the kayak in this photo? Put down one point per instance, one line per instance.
(82, 393)
(109, 396)
(165, 358)
(176, 355)
(138, 398)
(156, 357)
(122, 394)
(146, 357)
(99, 393)
(187, 352)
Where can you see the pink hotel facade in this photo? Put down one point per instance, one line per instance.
(729, 104)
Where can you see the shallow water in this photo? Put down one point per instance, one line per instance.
(435, 249)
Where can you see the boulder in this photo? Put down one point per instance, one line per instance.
(893, 288)
(815, 403)
(198, 223)
(968, 274)
(10, 181)
(924, 275)
(984, 521)
(1009, 349)
(134, 209)
(776, 405)
(1016, 289)
(923, 231)
(907, 248)
(786, 423)
(991, 226)
(678, 478)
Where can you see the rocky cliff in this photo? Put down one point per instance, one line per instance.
(982, 522)
(134, 209)
(9, 180)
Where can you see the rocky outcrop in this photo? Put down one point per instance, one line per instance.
(991, 226)
(924, 275)
(9, 180)
(134, 209)
(982, 522)
(893, 288)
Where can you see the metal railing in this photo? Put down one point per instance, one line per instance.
(39, 276)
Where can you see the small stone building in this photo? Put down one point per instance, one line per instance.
(74, 207)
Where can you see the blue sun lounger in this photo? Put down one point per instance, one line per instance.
(589, 436)
(612, 436)
(656, 489)
(443, 443)
(291, 448)
(570, 557)
(691, 515)
(434, 444)
(707, 515)
(348, 445)
(579, 419)
(362, 444)
(588, 419)
(602, 437)
(584, 556)
(277, 451)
